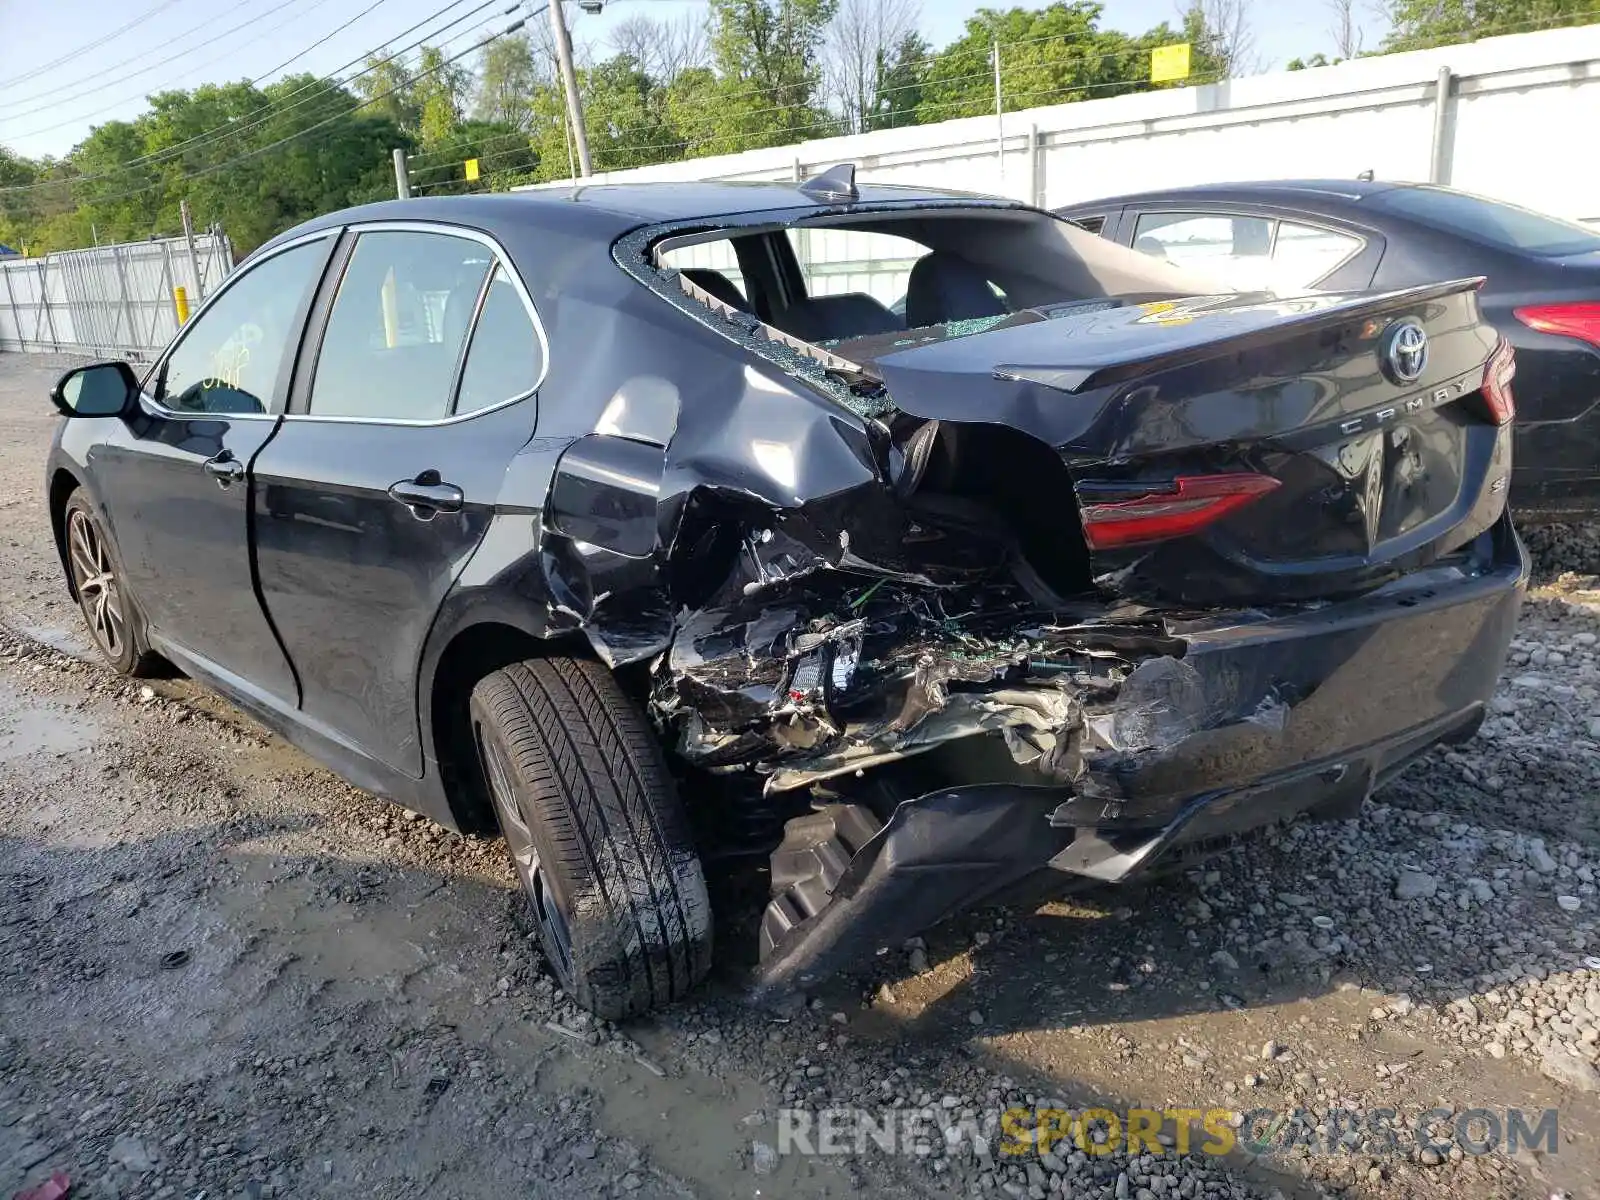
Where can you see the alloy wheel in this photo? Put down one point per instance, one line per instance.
(554, 934)
(96, 582)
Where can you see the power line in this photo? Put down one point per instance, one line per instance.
(310, 129)
(321, 41)
(482, 158)
(43, 68)
(142, 93)
(450, 153)
(278, 107)
(161, 62)
(275, 108)
(132, 58)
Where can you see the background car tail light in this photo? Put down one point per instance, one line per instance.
(1190, 503)
(1498, 373)
(1580, 320)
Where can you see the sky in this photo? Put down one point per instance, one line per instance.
(47, 106)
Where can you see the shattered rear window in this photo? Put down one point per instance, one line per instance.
(875, 279)
(862, 282)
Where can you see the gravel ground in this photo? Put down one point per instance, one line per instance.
(224, 972)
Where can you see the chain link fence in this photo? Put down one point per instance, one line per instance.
(110, 301)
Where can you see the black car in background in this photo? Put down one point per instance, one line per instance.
(1542, 294)
(613, 519)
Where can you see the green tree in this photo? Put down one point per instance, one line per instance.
(625, 116)
(439, 90)
(19, 210)
(507, 76)
(1224, 41)
(861, 41)
(768, 60)
(902, 76)
(254, 160)
(385, 83)
(1050, 55)
(1418, 24)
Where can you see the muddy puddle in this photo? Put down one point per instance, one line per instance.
(29, 728)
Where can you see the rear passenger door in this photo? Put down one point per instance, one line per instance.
(384, 475)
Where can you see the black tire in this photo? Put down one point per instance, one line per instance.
(113, 617)
(580, 786)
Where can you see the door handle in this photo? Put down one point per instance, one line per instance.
(426, 496)
(224, 468)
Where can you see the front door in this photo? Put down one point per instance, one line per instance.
(384, 477)
(175, 478)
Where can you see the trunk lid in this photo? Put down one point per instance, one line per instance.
(1228, 450)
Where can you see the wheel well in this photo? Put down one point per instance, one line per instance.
(469, 656)
(62, 485)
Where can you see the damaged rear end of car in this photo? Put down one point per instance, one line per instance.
(1098, 573)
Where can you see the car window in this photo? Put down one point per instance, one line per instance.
(1233, 249)
(1489, 221)
(838, 262)
(1302, 255)
(233, 356)
(397, 326)
(504, 358)
(1250, 253)
(709, 259)
(1090, 224)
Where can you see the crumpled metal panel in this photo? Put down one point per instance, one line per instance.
(803, 620)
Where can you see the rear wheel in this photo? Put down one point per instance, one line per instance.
(596, 833)
(112, 617)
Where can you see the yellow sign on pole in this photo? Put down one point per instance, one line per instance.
(1168, 63)
(180, 303)
(472, 168)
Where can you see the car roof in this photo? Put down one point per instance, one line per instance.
(1268, 190)
(616, 207)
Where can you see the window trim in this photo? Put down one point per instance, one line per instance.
(292, 349)
(451, 417)
(1276, 215)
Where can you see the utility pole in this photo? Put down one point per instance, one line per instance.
(999, 114)
(194, 259)
(402, 176)
(569, 84)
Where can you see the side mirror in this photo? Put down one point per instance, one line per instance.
(107, 389)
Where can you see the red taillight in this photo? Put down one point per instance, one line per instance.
(1498, 373)
(1190, 503)
(1579, 320)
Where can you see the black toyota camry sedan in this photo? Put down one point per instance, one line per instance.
(632, 522)
(1542, 291)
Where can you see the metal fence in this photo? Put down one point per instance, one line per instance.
(109, 301)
